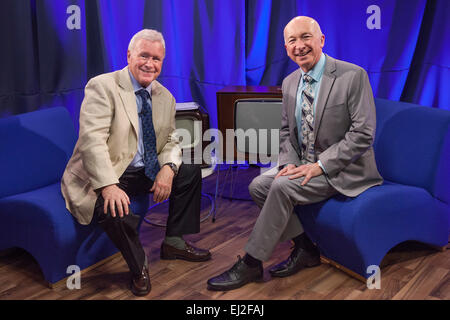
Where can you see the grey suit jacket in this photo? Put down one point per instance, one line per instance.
(108, 138)
(344, 130)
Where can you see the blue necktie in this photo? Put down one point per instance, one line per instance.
(150, 154)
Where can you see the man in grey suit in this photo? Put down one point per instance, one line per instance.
(326, 136)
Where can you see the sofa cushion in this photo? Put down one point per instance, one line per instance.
(38, 222)
(27, 214)
(357, 232)
(412, 146)
(34, 149)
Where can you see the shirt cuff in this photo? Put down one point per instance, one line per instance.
(321, 166)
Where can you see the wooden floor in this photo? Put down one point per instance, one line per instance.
(409, 271)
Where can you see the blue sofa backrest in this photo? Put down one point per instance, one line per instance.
(412, 146)
(34, 149)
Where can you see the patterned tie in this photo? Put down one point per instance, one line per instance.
(307, 121)
(150, 154)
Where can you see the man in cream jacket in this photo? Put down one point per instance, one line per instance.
(126, 147)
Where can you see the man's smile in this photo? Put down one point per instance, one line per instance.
(302, 54)
(147, 71)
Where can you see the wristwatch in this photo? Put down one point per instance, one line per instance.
(173, 167)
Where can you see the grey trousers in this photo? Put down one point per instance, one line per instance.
(276, 221)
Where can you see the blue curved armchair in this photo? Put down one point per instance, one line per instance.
(412, 150)
(34, 150)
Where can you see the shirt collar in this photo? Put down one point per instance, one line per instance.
(317, 71)
(137, 86)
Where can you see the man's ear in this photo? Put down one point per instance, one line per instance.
(128, 56)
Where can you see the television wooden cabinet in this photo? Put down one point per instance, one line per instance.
(226, 99)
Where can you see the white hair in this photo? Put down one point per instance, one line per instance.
(147, 34)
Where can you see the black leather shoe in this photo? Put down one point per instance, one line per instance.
(298, 260)
(240, 274)
(189, 253)
(140, 284)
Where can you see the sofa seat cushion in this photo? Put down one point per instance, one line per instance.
(358, 232)
(38, 222)
(26, 213)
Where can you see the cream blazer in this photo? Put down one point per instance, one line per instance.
(108, 139)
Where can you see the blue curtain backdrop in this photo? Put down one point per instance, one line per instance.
(46, 62)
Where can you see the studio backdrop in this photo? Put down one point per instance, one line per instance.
(51, 48)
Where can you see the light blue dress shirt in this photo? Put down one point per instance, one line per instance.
(137, 161)
(316, 73)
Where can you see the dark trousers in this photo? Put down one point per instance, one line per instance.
(184, 212)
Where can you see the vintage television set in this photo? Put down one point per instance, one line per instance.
(194, 119)
(249, 107)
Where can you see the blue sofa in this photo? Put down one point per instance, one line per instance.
(412, 150)
(34, 150)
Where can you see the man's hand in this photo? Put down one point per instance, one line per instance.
(307, 170)
(114, 196)
(163, 184)
(286, 170)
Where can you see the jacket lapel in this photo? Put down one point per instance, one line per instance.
(293, 88)
(126, 93)
(328, 78)
(157, 104)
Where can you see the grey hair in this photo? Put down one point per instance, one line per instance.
(147, 34)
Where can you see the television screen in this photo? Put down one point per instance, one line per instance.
(226, 115)
(192, 124)
(257, 124)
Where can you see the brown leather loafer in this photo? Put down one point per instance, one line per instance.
(140, 285)
(189, 253)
